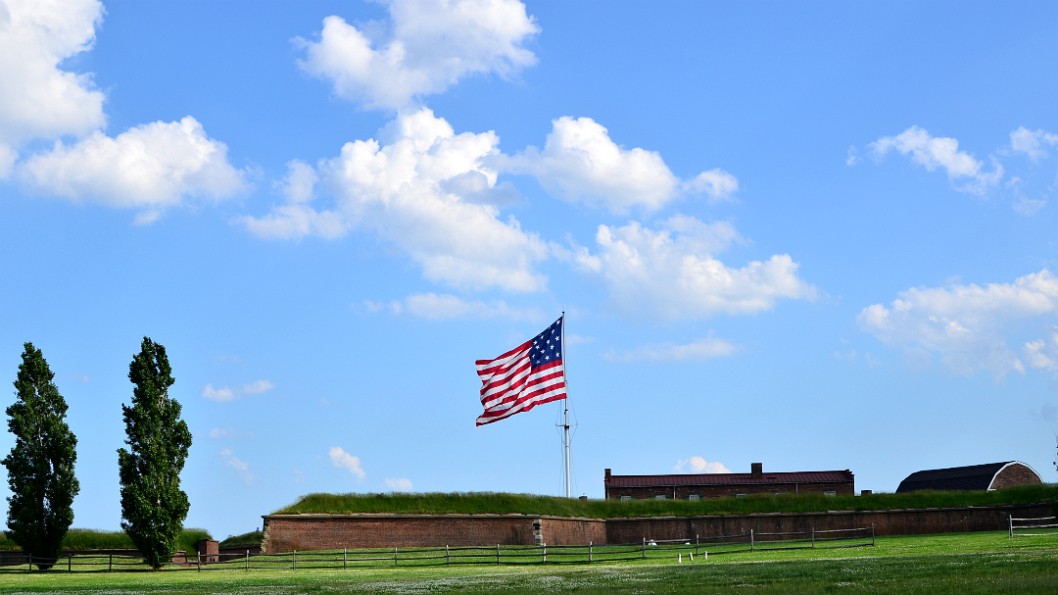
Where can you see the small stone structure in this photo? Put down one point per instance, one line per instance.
(208, 551)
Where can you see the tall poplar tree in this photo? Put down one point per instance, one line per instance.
(40, 467)
(153, 507)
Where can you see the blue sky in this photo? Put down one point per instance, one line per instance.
(818, 236)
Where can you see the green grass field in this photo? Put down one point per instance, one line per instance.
(962, 563)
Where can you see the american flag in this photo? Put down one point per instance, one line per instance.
(524, 377)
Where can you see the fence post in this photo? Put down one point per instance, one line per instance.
(497, 554)
(545, 553)
(589, 552)
(872, 533)
(394, 556)
(69, 562)
(751, 540)
(1010, 521)
(29, 566)
(198, 561)
(294, 560)
(696, 541)
(110, 563)
(247, 560)
(448, 556)
(813, 538)
(345, 558)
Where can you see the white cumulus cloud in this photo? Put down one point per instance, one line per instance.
(1042, 354)
(401, 187)
(1033, 143)
(398, 484)
(967, 173)
(716, 184)
(425, 48)
(241, 467)
(38, 99)
(672, 273)
(971, 328)
(581, 163)
(699, 465)
(224, 394)
(149, 167)
(343, 460)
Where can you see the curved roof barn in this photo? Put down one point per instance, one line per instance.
(990, 476)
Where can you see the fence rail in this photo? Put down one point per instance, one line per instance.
(590, 553)
(1032, 526)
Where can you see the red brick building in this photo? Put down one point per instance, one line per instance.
(687, 486)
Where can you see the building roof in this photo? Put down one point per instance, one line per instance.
(972, 477)
(726, 479)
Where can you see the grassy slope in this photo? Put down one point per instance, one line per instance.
(500, 503)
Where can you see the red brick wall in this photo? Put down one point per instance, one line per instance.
(284, 533)
(893, 522)
(559, 531)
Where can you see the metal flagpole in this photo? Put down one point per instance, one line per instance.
(565, 405)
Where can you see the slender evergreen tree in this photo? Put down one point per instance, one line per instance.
(153, 507)
(40, 467)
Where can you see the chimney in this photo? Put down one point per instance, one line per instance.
(756, 469)
(607, 477)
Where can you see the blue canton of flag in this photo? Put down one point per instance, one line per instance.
(547, 346)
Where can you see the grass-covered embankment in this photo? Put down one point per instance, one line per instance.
(91, 539)
(502, 503)
(253, 538)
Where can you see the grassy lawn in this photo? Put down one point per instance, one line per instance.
(963, 563)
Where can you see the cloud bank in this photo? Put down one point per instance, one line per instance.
(972, 328)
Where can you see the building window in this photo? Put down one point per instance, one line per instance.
(694, 497)
(661, 497)
(740, 495)
(830, 493)
(624, 498)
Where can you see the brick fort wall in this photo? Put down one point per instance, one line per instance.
(284, 533)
